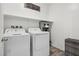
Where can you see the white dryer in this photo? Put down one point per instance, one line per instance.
(16, 42)
(39, 42)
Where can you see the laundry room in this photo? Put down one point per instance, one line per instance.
(40, 29)
(19, 23)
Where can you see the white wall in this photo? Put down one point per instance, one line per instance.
(26, 23)
(66, 23)
(75, 21)
(18, 9)
(62, 26)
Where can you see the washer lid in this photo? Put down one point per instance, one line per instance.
(34, 30)
(8, 35)
(14, 31)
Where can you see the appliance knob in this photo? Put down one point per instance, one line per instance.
(3, 39)
(6, 39)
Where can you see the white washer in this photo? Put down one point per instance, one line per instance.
(16, 42)
(39, 42)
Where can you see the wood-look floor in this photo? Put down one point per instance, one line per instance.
(56, 52)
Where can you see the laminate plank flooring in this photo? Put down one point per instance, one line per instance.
(56, 52)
